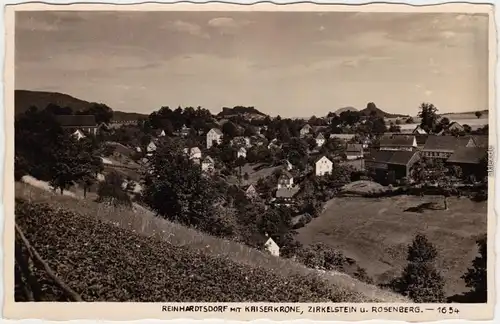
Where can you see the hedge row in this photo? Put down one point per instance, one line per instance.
(102, 262)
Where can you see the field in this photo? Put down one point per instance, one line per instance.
(142, 222)
(376, 233)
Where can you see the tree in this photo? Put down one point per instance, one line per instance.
(111, 191)
(230, 130)
(420, 280)
(478, 114)
(428, 115)
(476, 276)
(176, 189)
(101, 112)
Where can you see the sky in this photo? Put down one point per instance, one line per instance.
(293, 64)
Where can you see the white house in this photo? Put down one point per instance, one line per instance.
(288, 165)
(320, 140)
(214, 135)
(194, 153)
(78, 134)
(419, 130)
(323, 166)
(207, 165)
(242, 152)
(151, 147)
(272, 247)
(305, 130)
(285, 180)
(162, 134)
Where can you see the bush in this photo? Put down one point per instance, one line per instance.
(102, 262)
(111, 191)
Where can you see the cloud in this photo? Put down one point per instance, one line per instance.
(227, 24)
(189, 28)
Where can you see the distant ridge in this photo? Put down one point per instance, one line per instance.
(341, 110)
(371, 109)
(24, 99)
(241, 111)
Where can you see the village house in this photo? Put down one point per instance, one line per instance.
(241, 141)
(242, 152)
(288, 166)
(274, 144)
(162, 133)
(285, 196)
(285, 180)
(343, 137)
(85, 123)
(469, 160)
(151, 148)
(320, 139)
(193, 153)
(323, 166)
(214, 135)
(271, 246)
(250, 192)
(391, 165)
(442, 147)
(454, 126)
(208, 165)
(78, 134)
(183, 132)
(305, 130)
(398, 143)
(419, 130)
(354, 151)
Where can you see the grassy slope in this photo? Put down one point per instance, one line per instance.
(376, 233)
(143, 222)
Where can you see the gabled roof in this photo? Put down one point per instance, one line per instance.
(480, 140)
(76, 120)
(444, 143)
(242, 149)
(216, 130)
(286, 174)
(343, 136)
(420, 138)
(354, 148)
(392, 157)
(320, 136)
(469, 155)
(455, 124)
(306, 126)
(286, 192)
(208, 159)
(397, 140)
(323, 157)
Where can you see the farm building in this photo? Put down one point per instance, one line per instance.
(391, 165)
(398, 143)
(85, 123)
(271, 246)
(242, 152)
(442, 147)
(207, 165)
(470, 159)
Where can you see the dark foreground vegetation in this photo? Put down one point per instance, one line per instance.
(102, 262)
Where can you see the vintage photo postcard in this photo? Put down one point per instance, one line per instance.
(280, 162)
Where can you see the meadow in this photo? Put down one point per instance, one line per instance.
(376, 232)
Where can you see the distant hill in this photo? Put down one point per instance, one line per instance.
(240, 111)
(24, 99)
(372, 109)
(341, 110)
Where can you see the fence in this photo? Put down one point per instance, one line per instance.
(25, 256)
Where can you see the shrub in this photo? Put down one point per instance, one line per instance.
(111, 191)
